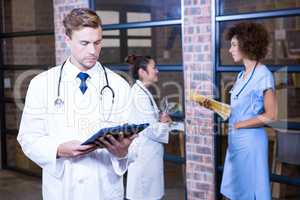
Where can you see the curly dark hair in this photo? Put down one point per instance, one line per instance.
(253, 39)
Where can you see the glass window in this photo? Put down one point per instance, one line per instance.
(18, 158)
(135, 43)
(35, 16)
(284, 46)
(109, 16)
(138, 16)
(18, 51)
(12, 116)
(162, 43)
(235, 7)
(139, 32)
(16, 82)
(288, 95)
(35, 50)
(137, 11)
(170, 85)
(111, 33)
(11, 146)
(174, 181)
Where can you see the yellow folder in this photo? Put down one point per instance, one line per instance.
(220, 108)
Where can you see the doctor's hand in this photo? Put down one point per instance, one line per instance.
(74, 148)
(165, 118)
(118, 147)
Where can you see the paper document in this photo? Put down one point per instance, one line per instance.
(220, 108)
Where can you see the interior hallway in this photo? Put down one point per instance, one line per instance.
(17, 186)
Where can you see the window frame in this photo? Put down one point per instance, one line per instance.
(5, 100)
(138, 25)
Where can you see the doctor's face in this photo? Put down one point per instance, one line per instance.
(235, 51)
(152, 72)
(85, 46)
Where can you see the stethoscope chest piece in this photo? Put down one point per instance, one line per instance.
(59, 102)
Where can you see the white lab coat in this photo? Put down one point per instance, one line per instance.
(145, 179)
(44, 126)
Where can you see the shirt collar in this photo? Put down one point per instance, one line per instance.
(72, 71)
(141, 84)
(156, 110)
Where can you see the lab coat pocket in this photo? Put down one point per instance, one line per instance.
(146, 182)
(82, 178)
(81, 170)
(112, 187)
(116, 193)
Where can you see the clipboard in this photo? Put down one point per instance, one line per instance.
(126, 129)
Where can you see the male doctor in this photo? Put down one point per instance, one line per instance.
(68, 103)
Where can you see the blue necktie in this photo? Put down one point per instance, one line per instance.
(83, 77)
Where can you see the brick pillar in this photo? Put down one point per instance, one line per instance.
(198, 75)
(61, 8)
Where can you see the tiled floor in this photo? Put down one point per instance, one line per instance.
(15, 186)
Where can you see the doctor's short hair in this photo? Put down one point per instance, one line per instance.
(253, 39)
(79, 18)
(136, 63)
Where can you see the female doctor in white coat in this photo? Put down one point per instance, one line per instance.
(145, 180)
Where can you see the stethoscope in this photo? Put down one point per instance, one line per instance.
(240, 91)
(152, 104)
(59, 102)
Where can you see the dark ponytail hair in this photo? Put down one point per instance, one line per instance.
(137, 62)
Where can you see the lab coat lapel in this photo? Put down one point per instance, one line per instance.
(148, 94)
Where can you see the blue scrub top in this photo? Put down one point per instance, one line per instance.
(246, 171)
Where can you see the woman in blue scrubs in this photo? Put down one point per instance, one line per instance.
(253, 104)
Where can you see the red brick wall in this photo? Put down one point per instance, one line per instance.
(198, 75)
(61, 8)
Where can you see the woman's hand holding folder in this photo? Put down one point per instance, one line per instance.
(220, 108)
